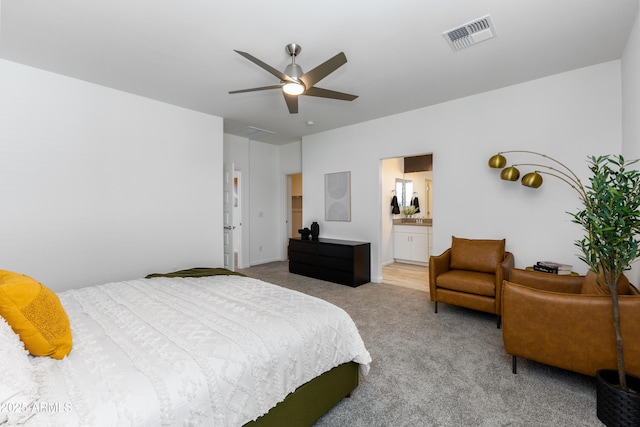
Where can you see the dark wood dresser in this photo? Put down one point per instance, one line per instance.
(340, 261)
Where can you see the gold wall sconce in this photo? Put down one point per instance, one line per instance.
(534, 179)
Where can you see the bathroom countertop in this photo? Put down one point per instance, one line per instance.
(426, 222)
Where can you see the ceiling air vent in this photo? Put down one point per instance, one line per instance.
(470, 33)
(252, 132)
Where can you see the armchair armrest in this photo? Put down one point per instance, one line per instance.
(505, 266)
(502, 274)
(438, 264)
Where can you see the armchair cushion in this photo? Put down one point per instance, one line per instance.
(470, 282)
(476, 255)
(590, 285)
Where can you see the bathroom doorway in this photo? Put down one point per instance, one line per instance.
(406, 242)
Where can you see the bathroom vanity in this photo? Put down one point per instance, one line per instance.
(412, 240)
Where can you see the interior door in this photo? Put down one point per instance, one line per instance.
(227, 215)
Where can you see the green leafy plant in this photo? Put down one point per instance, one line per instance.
(408, 210)
(611, 219)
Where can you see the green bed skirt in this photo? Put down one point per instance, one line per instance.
(312, 400)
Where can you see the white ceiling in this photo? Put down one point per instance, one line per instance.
(181, 51)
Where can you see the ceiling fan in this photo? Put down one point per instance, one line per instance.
(294, 83)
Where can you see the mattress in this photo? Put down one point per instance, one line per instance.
(214, 351)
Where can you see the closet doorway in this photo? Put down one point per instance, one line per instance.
(296, 203)
(293, 209)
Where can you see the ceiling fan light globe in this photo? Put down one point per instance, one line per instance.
(293, 88)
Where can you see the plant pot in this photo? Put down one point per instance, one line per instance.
(616, 407)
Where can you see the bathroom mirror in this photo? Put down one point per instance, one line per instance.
(404, 190)
(418, 185)
(412, 178)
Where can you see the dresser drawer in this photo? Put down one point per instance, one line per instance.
(336, 251)
(308, 247)
(303, 269)
(336, 263)
(302, 257)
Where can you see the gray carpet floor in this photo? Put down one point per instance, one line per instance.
(444, 369)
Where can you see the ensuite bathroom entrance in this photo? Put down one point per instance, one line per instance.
(407, 220)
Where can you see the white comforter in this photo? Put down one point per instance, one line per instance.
(214, 351)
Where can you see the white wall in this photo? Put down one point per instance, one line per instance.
(631, 94)
(264, 168)
(290, 157)
(631, 109)
(265, 219)
(390, 170)
(567, 116)
(99, 185)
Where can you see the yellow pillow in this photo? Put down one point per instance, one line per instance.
(35, 314)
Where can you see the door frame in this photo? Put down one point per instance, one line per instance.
(228, 254)
(288, 214)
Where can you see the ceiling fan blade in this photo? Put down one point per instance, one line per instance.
(323, 70)
(292, 103)
(253, 89)
(269, 68)
(326, 93)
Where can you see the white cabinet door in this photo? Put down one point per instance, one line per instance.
(411, 243)
(420, 247)
(402, 245)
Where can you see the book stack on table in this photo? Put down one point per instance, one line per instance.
(553, 267)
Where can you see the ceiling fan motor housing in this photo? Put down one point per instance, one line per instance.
(294, 71)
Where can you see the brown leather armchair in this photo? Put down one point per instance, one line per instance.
(470, 274)
(548, 319)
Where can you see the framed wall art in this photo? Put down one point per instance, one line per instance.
(337, 196)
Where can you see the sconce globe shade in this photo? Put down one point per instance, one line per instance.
(510, 174)
(293, 88)
(532, 179)
(497, 162)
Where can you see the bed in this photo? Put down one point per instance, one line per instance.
(197, 349)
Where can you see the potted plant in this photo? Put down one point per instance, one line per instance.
(408, 210)
(611, 219)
